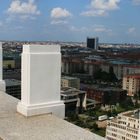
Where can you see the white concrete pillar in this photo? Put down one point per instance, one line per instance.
(41, 77)
(2, 82)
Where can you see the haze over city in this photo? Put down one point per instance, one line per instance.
(114, 21)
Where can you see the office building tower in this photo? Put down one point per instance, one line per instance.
(92, 43)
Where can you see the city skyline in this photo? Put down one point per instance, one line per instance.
(113, 21)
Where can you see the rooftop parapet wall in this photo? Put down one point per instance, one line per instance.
(14, 126)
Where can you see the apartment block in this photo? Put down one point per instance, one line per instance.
(104, 94)
(124, 127)
(92, 63)
(131, 83)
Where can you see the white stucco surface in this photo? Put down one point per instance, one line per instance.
(2, 82)
(41, 76)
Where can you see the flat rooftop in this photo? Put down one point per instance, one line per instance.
(132, 114)
(100, 87)
(135, 76)
(68, 89)
(14, 126)
(69, 78)
(12, 82)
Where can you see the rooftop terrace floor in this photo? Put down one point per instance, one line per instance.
(14, 126)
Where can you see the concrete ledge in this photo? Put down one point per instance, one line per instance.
(57, 108)
(14, 126)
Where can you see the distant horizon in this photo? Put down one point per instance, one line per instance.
(115, 21)
(54, 41)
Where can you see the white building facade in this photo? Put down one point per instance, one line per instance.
(124, 127)
(131, 83)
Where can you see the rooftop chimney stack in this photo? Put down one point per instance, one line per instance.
(2, 82)
(40, 84)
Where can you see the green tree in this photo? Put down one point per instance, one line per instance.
(109, 114)
(136, 104)
(112, 77)
(139, 95)
(9, 66)
(114, 112)
(127, 104)
(97, 74)
(95, 127)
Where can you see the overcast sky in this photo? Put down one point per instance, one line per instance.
(114, 21)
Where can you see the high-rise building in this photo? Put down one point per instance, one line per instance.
(92, 43)
(124, 127)
(131, 83)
